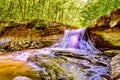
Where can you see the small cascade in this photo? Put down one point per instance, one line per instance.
(78, 40)
(73, 42)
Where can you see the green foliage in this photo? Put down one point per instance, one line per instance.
(73, 12)
(96, 8)
(40, 25)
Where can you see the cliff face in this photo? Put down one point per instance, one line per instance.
(30, 34)
(105, 33)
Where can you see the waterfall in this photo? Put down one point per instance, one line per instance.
(73, 41)
(77, 40)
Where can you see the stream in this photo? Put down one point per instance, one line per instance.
(74, 52)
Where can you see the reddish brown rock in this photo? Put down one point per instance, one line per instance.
(105, 33)
(26, 35)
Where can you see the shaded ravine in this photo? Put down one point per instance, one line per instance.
(74, 57)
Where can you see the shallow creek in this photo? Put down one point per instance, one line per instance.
(74, 57)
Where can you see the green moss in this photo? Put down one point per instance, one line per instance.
(54, 69)
(40, 25)
(113, 38)
(111, 35)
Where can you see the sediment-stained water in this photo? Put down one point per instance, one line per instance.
(74, 57)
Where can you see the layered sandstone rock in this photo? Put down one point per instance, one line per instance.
(105, 33)
(30, 35)
(115, 65)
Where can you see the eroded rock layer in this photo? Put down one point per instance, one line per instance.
(115, 65)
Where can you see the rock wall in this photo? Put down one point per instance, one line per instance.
(26, 35)
(105, 33)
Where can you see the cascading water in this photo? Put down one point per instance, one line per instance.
(78, 42)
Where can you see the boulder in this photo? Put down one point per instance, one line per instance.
(115, 65)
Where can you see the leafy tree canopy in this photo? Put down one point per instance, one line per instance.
(79, 13)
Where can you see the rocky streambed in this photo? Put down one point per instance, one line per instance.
(74, 57)
(83, 54)
(54, 64)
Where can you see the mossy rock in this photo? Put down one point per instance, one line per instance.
(107, 38)
(58, 68)
(106, 31)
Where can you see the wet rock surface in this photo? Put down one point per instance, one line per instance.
(13, 44)
(111, 53)
(66, 60)
(6, 44)
(25, 35)
(115, 65)
(48, 64)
